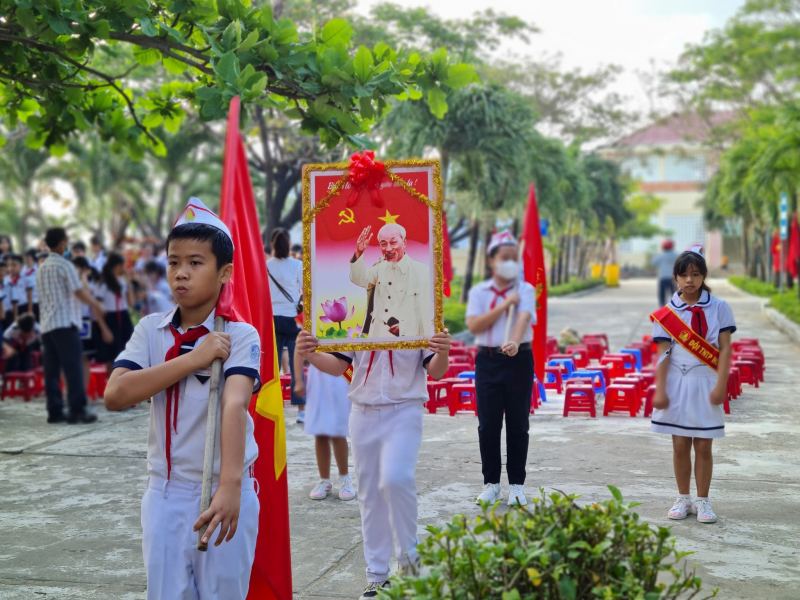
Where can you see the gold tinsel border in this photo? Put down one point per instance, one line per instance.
(311, 212)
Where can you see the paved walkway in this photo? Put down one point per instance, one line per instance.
(70, 494)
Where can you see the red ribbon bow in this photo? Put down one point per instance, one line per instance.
(173, 391)
(699, 323)
(365, 174)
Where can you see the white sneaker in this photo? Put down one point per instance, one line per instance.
(705, 514)
(516, 495)
(682, 508)
(346, 491)
(372, 589)
(489, 495)
(301, 416)
(321, 490)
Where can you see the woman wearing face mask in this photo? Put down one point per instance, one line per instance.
(504, 367)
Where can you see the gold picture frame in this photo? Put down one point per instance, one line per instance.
(327, 192)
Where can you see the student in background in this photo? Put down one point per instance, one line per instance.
(15, 294)
(29, 274)
(116, 295)
(19, 342)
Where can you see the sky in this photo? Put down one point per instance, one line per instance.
(589, 33)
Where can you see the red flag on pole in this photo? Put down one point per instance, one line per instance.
(533, 265)
(447, 259)
(794, 246)
(247, 298)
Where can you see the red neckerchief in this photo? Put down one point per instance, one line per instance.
(699, 323)
(173, 391)
(372, 358)
(13, 279)
(499, 294)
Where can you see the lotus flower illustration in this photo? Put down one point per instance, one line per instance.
(336, 311)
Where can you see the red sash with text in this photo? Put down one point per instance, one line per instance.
(686, 336)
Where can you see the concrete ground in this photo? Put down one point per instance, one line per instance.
(69, 495)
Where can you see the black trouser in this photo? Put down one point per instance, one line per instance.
(62, 352)
(504, 385)
(666, 287)
(286, 331)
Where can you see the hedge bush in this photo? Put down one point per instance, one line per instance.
(552, 549)
(787, 303)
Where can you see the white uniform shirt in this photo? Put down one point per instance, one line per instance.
(110, 301)
(15, 293)
(479, 303)
(289, 273)
(402, 292)
(719, 317)
(395, 376)
(29, 273)
(147, 347)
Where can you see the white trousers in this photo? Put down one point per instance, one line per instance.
(176, 570)
(386, 441)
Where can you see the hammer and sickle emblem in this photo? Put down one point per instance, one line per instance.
(347, 216)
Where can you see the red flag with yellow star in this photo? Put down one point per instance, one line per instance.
(247, 297)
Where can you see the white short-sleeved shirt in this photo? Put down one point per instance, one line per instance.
(112, 302)
(29, 273)
(480, 300)
(15, 292)
(394, 377)
(289, 273)
(719, 317)
(147, 347)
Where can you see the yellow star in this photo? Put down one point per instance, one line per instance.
(388, 217)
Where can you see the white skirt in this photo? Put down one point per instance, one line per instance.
(327, 404)
(690, 412)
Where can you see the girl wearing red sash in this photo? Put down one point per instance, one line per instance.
(689, 391)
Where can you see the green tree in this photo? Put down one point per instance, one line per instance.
(21, 186)
(215, 50)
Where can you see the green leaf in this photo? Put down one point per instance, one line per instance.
(615, 492)
(437, 102)
(460, 75)
(232, 36)
(148, 28)
(336, 32)
(146, 57)
(362, 64)
(228, 68)
(248, 42)
(567, 587)
(174, 66)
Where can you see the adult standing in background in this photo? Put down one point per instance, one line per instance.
(286, 290)
(663, 263)
(60, 291)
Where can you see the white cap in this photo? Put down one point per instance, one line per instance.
(501, 238)
(197, 212)
(697, 249)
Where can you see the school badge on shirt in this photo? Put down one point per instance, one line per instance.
(255, 354)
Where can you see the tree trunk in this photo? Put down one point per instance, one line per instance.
(473, 250)
(487, 238)
(748, 259)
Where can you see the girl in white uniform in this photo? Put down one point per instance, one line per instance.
(327, 419)
(689, 394)
(116, 296)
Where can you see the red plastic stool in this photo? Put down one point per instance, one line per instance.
(19, 384)
(580, 353)
(553, 378)
(621, 396)
(640, 385)
(748, 371)
(579, 398)
(98, 379)
(758, 359)
(457, 401)
(648, 400)
(437, 395)
(734, 385)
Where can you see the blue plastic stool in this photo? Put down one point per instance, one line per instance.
(637, 354)
(542, 392)
(568, 363)
(466, 375)
(597, 377)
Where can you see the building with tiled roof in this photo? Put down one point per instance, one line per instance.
(672, 160)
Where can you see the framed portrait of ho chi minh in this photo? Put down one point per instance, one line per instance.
(372, 253)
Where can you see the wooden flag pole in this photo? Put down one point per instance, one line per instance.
(509, 322)
(214, 393)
